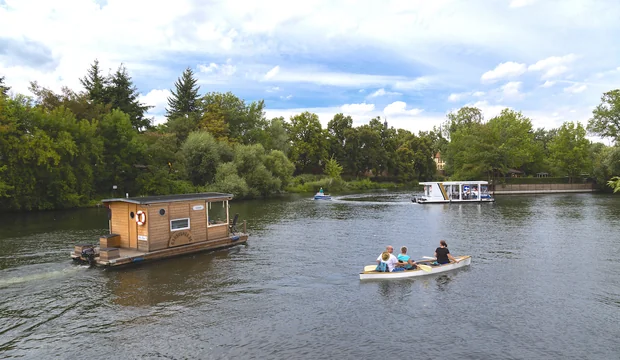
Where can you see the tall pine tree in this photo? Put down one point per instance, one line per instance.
(4, 90)
(184, 100)
(124, 95)
(95, 84)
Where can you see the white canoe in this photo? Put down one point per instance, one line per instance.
(370, 275)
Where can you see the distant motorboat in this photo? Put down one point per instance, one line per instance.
(322, 196)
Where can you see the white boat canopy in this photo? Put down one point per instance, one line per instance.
(467, 182)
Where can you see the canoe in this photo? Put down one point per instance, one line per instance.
(371, 275)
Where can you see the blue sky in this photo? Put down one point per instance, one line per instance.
(411, 61)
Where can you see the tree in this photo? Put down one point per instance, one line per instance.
(4, 90)
(227, 116)
(124, 95)
(277, 138)
(570, 149)
(333, 169)
(184, 99)
(308, 143)
(96, 84)
(202, 154)
(605, 120)
(337, 129)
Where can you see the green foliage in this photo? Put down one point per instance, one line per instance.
(308, 143)
(202, 154)
(614, 183)
(228, 181)
(228, 117)
(4, 90)
(66, 149)
(605, 121)
(123, 95)
(333, 169)
(96, 84)
(184, 99)
(570, 149)
(280, 166)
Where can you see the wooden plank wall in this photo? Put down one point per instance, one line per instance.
(144, 229)
(218, 231)
(120, 221)
(158, 227)
(198, 220)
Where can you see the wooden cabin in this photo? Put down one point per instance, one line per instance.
(153, 227)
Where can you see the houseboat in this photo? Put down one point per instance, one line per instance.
(454, 191)
(156, 227)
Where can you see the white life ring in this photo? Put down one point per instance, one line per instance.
(140, 217)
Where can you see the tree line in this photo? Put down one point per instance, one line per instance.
(72, 148)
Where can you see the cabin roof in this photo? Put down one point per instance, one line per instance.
(145, 200)
(467, 182)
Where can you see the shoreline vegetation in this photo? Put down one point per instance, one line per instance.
(72, 148)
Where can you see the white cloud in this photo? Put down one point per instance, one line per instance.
(157, 98)
(575, 88)
(225, 69)
(488, 110)
(548, 83)
(286, 97)
(273, 89)
(504, 70)
(521, 3)
(510, 90)
(553, 66)
(400, 108)
(357, 108)
(456, 97)
(271, 73)
(382, 92)
(314, 75)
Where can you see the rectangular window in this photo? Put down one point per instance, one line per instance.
(179, 224)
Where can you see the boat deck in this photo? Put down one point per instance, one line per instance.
(127, 256)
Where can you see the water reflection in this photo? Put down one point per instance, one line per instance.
(180, 280)
(399, 288)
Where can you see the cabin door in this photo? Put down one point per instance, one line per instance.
(133, 227)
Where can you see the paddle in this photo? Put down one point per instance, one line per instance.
(370, 268)
(429, 257)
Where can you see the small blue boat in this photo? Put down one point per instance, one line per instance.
(321, 196)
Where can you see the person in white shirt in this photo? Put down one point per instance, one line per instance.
(391, 260)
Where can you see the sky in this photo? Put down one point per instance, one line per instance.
(408, 61)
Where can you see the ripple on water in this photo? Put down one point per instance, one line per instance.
(544, 273)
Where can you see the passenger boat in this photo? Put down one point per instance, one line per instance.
(435, 269)
(156, 227)
(454, 192)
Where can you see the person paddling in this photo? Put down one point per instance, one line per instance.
(406, 260)
(442, 254)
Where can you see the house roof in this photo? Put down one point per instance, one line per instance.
(145, 200)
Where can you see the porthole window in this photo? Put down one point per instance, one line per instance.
(162, 212)
(131, 215)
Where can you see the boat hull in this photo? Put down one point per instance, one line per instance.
(441, 201)
(375, 275)
(323, 197)
(128, 256)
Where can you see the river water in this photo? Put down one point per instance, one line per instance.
(544, 283)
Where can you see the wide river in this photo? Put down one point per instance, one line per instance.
(544, 283)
